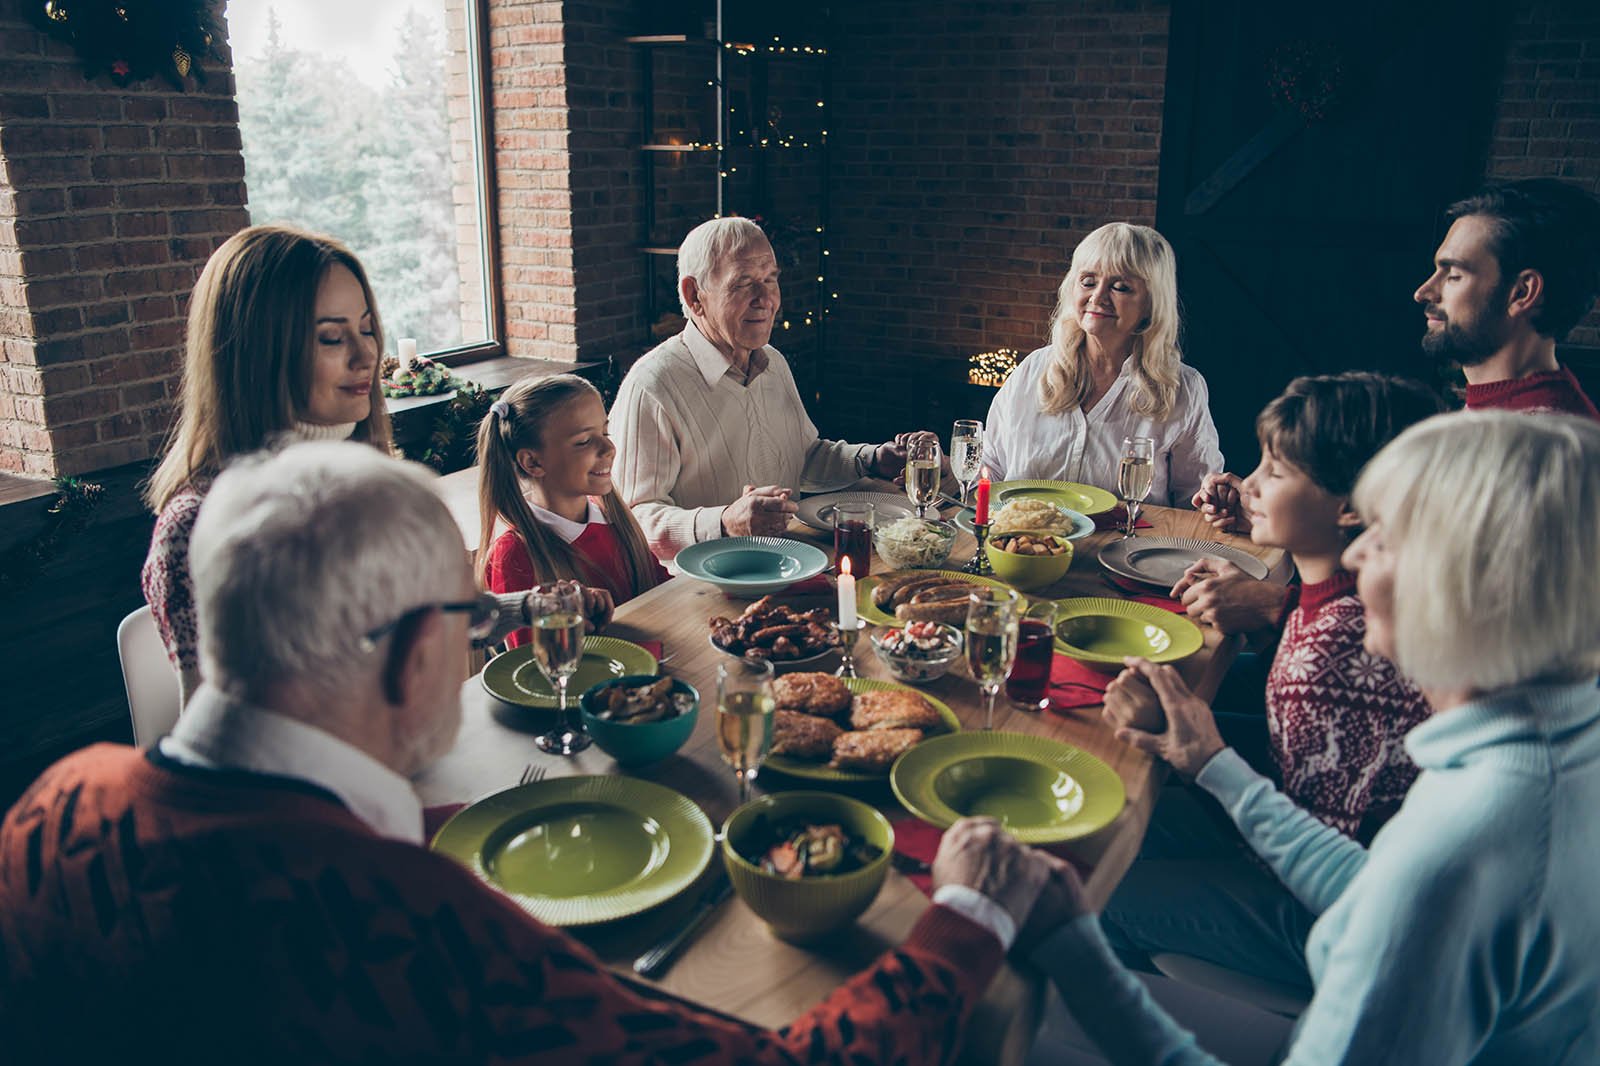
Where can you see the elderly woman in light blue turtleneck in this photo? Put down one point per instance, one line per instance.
(1468, 931)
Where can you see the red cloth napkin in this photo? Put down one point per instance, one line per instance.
(654, 647)
(1073, 684)
(1141, 594)
(1115, 519)
(820, 585)
(433, 818)
(916, 839)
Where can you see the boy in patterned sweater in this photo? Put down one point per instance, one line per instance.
(254, 888)
(1336, 714)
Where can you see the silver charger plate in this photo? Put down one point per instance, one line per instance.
(1161, 561)
(817, 511)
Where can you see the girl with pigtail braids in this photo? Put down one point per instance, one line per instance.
(544, 485)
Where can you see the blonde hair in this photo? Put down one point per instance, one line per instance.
(249, 351)
(1141, 252)
(1494, 519)
(520, 424)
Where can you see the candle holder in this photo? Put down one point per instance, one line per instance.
(980, 558)
(847, 648)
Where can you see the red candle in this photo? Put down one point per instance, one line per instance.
(981, 517)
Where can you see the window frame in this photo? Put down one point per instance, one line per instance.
(477, 36)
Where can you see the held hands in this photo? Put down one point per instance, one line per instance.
(889, 461)
(977, 853)
(1191, 739)
(1061, 900)
(1218, 503)
(1218, 593)
(598, 607)
(760, 512)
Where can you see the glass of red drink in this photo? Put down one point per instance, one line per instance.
(852, 536)
(1028, 683)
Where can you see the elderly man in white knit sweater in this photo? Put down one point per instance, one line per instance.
(712, 438)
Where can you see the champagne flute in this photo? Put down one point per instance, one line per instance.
(744, 717)
(991, 642)
(923, 459)
(966, 453)
(557, 643)
(1135, 472)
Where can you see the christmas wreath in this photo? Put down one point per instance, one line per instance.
(132, 40)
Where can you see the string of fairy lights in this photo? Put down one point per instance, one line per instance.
(992, 368)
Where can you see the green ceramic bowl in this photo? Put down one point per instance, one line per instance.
(811, 906)
(1029, 572)
(631, 744)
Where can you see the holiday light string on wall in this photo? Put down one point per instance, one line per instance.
(992, 368)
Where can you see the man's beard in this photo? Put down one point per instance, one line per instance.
(1471, 344)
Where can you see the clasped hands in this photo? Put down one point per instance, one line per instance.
(1038, 890)
(1152, 709)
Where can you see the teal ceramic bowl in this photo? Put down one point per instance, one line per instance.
(635, 744)
(811, 907)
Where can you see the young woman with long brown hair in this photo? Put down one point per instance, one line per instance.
(283, 345)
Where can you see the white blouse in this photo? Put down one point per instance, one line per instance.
(1021, 441)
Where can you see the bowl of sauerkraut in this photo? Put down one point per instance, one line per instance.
(914, 542)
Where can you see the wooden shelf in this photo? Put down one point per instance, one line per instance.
(659, 249)
(651, 40)
(685, 148)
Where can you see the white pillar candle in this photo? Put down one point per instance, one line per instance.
(407, 352)
(847, 595)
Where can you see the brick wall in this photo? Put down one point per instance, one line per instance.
(606, 178)
(111, 202)
(971, 150)
(464, 185)
(1547, 123)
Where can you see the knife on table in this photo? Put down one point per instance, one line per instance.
(655, 961)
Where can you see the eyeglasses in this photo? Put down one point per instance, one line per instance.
(483, 614)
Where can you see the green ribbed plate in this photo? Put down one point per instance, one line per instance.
(868, 611)
(515, 678)
(1043, 791)
(581, 850)
(1085, 499)
(1105, 631)
(821, 771)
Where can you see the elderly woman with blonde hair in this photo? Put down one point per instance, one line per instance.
(1113, 369)
(1467, 931)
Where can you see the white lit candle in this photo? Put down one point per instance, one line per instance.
(407, 352)
(847, 595)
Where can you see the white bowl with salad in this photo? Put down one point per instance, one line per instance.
(914, 543)
(918, 651)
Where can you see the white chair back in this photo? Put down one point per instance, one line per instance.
(154, 695)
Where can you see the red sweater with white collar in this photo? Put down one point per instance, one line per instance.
(510, 567)
(151, 912)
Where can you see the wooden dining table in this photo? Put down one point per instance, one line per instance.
(735, 966)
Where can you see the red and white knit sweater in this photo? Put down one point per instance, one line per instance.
(1337, 715)
(151, 912)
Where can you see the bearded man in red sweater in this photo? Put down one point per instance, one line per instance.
(254, 888)
(1519, 268)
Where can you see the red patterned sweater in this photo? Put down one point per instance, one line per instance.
(1337, 715)
(1554, 390)
(271, 925)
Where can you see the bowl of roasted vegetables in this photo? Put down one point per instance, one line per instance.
(639, 718)
(807, 863)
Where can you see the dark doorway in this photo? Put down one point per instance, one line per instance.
(1306, 158)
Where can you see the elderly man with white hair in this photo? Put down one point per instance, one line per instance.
(712, 437)
(261, 872)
